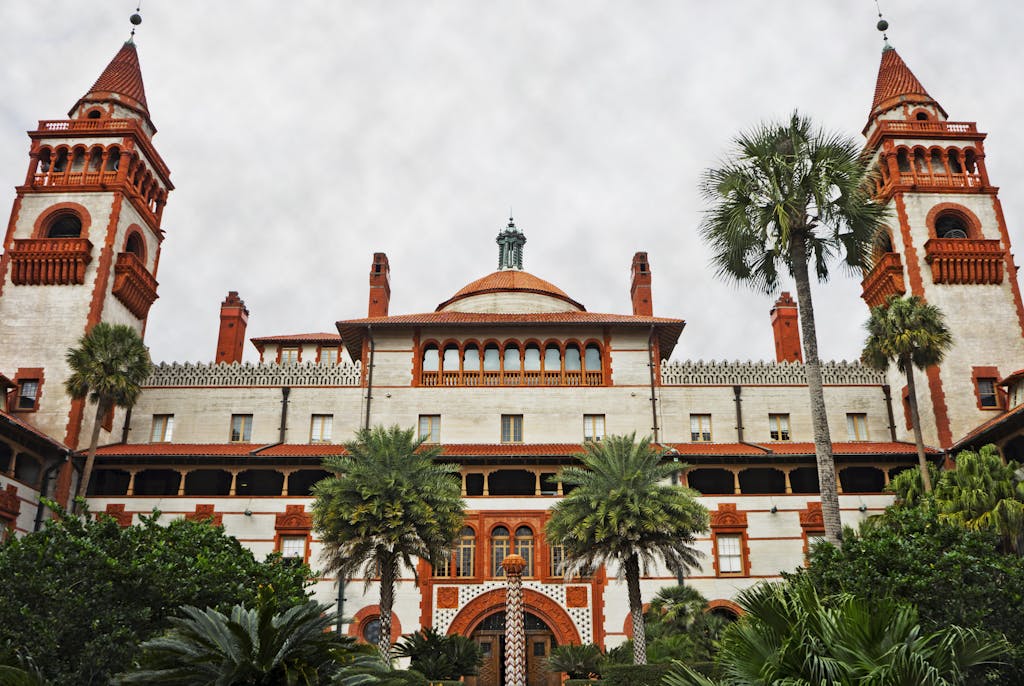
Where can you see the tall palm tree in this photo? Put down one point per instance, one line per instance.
(109, 367)
(623, 511)
(390, 501)
(911, 333)
(789, 194)
(790, 635)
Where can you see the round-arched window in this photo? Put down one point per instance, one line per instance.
(950, 225)
(371, 631)
(64, 225)
(135, 246)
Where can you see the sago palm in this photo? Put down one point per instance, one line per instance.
(911, 333)
(109, 367)
(389, 502)
(624, 511)
(790, 194)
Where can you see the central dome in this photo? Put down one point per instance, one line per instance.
(510, 291)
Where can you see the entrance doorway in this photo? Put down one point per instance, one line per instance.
(490, 636)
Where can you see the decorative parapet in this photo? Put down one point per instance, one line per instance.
(965, 260)
(701, 373)
(248, 374)
(49, 261)
(885, 280)
(133, 285)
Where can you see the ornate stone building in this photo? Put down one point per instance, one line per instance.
(510, 375)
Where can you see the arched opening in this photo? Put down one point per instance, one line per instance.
(27, 470)
(450, 360)
(513, 362)
(882, 245)
(64, 225)
(208, 482)
(94, 113)
(492, 358)
(109, 482)
(471, 363)
(804, 480)
(971, 161)
(157, 482)
(431, 359)
(711, 481)
(135, 246)
(524, 548)
(1013, 450)
(593, 359)
(938, 166)
(573, 361)
(6, 455)
(953, 158)
(762, 480)
(474, 484)
(903, 160)
(95, 159)
(921, 116)
(951, 225)
(511, 482)
(501, 547)
(302, 481)
(531, 358)
(78, 160)
(862, 480)
(489, 634)
(113, 158)
(259, 482)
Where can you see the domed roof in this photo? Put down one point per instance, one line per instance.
(514, 281)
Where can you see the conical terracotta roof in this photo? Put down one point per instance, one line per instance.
(121, 81)
(896, 85)
(510, 280)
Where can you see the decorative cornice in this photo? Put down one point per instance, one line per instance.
(713, 373)
(249, 374)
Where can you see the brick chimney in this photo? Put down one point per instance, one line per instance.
(380, 286)
(786, 327)
(640, 288)
(233, 319)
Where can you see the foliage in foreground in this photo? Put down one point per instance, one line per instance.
(577, 661)
(254, 647)
(370, 670)
(440, 657)
(88, 592)
(792, 635)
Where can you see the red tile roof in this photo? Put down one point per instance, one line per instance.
(792, 448)
(303, 450)
(298, 338)
(668, 330)
(1010, 378)
(978, 432)
(25, 426)
(896, 84)
(510, 280)
(122, 77)
(178, 449)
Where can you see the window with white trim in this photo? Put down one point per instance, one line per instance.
(778, 427)
(700, 428)
(593, 427)
(293, 547)
(320, 428)
(730, 553)
(163, 428)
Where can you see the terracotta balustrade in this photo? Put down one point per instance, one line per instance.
(895, 125)
(87, 124)
(965, 260)
(133, 285)
(884, 280)
(75, 178)
(510, 378)
(923, 180)
(49, 261)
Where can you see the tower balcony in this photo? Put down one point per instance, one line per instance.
(884, 280)
(133, 285)
(49, 261)
(965, 260)
(923, 180)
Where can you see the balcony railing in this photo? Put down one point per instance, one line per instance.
(923, 180)
(74, 178)
(88, 125)
(965, 260)
(886, 279)
(914, 126)
(133, 285)
(512, 378)
(49, 261)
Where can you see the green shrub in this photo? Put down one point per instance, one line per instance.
(580, 682)
(634, 675)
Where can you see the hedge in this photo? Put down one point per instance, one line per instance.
(634, 675)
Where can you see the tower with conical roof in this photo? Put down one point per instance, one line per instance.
(83, 242)
(946, 242)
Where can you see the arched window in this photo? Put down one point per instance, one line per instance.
(465, 554)
(531, 358)
(953, 157)
(135, 246)
(512, 360)
(971, 161)
(938, 167)
(903, 160)
(593, 358)
(430, 358)
(451, 358)
(64, 225)
(573, 363)
(78, 159)
(370, 631)
(94, 113)
(552, 358)
(95, 159)
(501, 547)
(492, 358)
(113, 158)
(471, 364)
(524, 548)
(950, 225)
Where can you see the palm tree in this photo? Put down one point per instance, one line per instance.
(911, 333)
(622, 510)
(790, 635)
(109, 367)
(255, 647)
(389, 502)
(791, 193)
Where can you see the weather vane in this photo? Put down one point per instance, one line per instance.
(135, 19)
(882, 24)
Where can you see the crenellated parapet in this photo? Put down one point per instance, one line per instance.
(714, 373)
(249, 374)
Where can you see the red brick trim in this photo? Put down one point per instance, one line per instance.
(116, 511)
(206, 513)
(5, 258)
(1011, 268)
(627, 623)
(728, 521)
(939, 407)
(913, 264)
(812, 523)
(294, 521)
(27, 374)
(367, 615)
(50, 213)
(989, 372)
(486, 604)
(137, 230)
(970, 219)
(722, 604)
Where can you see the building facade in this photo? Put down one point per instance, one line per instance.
(510, 375)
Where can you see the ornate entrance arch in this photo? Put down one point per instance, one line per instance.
(545, 608)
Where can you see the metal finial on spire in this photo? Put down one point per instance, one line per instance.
(135, 19)
(882, 26)
(510, 246)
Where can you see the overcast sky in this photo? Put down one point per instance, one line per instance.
(304, 136)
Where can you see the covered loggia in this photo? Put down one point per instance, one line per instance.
(301, 482)
(760, 480)
(709, 481)
(157, 482)
(208, 482)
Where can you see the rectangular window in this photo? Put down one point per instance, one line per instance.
(778, 427)
(430, 428)
(28, 394)
(443, 570)
(293, 548)
(241, 428)
(593, 427)
(320, 426)
(329, 355)
(289, 354)
(730, 557)
(511, 428)
(857, 426)
(700, 428)
(163, 428)
(557, 560)
(987, 395)
(465, 554)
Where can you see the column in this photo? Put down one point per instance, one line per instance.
(131, 481)
(789, 485)
(515, 634)
(234, 481)
(181, 482)
(736, 481)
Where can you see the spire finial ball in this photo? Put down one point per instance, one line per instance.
(882, 25)
(136, 19)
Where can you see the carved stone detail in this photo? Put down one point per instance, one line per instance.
(294, 518)
(726, 516)
(116, 512)
(448, 597)
(248, 374)
(576, 596)
(205, 513)
(701, 373)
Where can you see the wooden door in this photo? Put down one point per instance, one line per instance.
(538, 648)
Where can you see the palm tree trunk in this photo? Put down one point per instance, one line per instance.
(819, 419)
(388, 572)
(90, 457)
(636, 610)
(915, 421)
